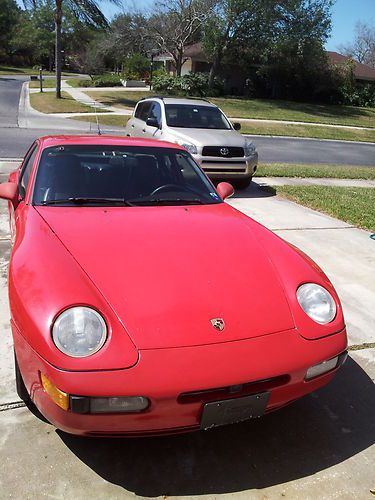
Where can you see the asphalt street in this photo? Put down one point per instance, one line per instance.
(14, 141)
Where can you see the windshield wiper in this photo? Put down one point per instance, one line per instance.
(83, 201)
(165, 201)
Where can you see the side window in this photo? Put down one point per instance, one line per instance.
(26, 171)
(138, 110)
(145, 110)
(155, 111)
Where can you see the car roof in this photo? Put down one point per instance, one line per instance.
(180, 100)
(104, 140)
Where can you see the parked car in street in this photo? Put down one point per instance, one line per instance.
(202, 129)
(141, 303)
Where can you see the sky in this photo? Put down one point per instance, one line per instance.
(345, 14)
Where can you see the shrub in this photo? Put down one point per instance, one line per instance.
(107, 81)
(85, 83)
(135, 67)
(194, 84)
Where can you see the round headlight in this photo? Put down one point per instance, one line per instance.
(316, 302)
(79, 332)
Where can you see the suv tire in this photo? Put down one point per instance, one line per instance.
(242, 183)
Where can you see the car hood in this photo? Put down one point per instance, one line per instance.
(209, 137)
(169, 271)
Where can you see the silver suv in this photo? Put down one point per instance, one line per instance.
(203, 130)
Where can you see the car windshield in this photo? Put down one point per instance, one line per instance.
(190, 116)
(120, 176)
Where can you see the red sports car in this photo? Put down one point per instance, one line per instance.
(141, 303)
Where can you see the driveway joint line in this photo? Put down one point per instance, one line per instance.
(12, 406)
(360, 347)
(311, 228)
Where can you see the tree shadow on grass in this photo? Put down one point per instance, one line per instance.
(313, 434)
(328, 111)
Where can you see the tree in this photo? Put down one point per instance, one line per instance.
(176, 24)
(85, 10)
(9, 14)
(363, 47)
(261, 31)
(297, 62)
(128, 35)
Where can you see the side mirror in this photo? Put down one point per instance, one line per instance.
(152, 122)
(225, 189)
(236, 126)
(9, 191)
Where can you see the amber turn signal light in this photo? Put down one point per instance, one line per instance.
(59, 397)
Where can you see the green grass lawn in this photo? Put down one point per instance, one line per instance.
(296, 111)
(311, 131)
(275, 110)
(317, 171)
(115, 120)
(121, 99)
(353, 205)
(49, 83)
(47, 103)
(263, 109)
(12, 70)
(75, 82)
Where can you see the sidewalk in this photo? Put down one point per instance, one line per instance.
(310, 181)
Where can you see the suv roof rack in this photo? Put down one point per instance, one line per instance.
(152, 97)
(175, 97)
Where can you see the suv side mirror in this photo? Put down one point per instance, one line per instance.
(225, 189)
(236, 126)
(152, 122)
(9, 191)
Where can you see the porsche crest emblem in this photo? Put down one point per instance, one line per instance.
(218, 324)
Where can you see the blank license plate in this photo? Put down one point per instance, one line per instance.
(232, 411)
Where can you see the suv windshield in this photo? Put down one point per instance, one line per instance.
(190, 116)
(120, 175)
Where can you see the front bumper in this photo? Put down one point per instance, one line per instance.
(228, 168)
(166, 376)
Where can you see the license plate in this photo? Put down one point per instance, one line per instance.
(232, 411)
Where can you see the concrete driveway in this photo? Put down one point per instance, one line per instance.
(319, 447)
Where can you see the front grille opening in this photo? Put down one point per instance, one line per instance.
(231, 171)
(224, 162)
(233, 391)
(223, 151)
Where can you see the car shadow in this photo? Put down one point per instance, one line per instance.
(255, 190)
(317, 432)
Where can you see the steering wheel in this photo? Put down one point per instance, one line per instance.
(170, 187)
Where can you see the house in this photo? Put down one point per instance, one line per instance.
(196, 62)
(361, 72)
